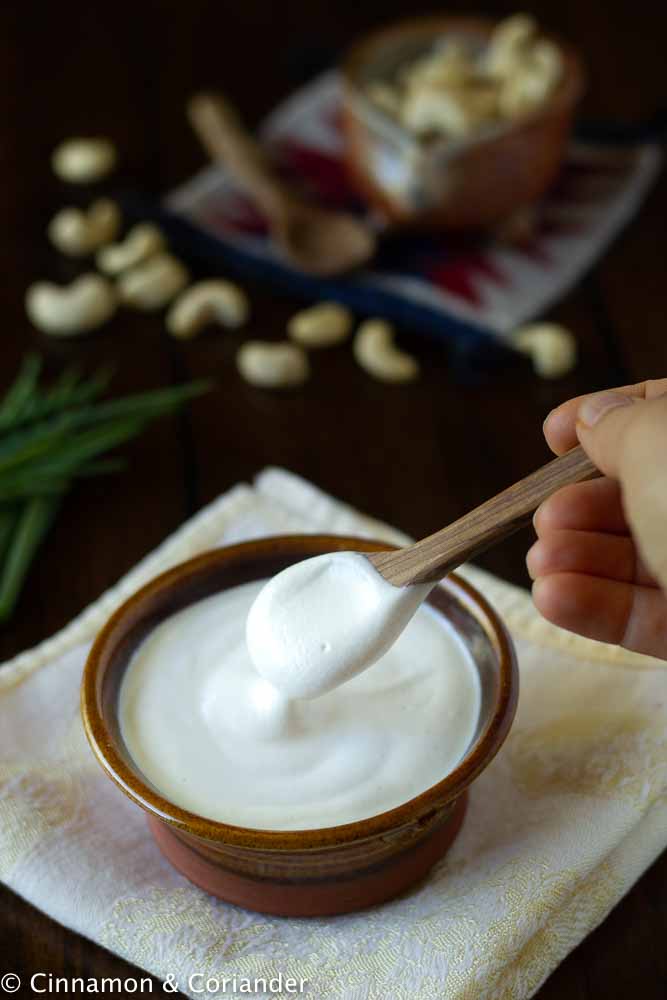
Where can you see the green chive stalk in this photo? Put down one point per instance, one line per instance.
(51, 437)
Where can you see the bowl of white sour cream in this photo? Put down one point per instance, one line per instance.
(303, 805)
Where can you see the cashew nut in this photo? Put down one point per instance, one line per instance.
(67, 310)
(448, 65)
(508, 43)
(153, 283)
(142, 241)
(323, 325)
(552, 348)
(456, 88)
(272, 366)
(213, 301)
(81, 161)
(375, 351)
(532, 81)
(76, 233)
(456, 111)
(547, 58)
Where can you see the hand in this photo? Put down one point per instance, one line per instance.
(600, 562)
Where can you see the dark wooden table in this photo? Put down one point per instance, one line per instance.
(125, 69)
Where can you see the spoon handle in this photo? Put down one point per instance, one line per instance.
(433, 557)
(225, 139)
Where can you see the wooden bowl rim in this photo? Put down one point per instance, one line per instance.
(104, 745)
(566, 94)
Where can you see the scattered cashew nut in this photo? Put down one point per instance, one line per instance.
(76, 232)
(323, 325)
(142, 241)
(153, 283)
(272, 365)
(552, 348)
(88, 302)
(213, 301)
(81, 161)
(375, 351)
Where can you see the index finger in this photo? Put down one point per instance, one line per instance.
(559, 427)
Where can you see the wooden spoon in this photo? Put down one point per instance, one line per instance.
(433, 557)
(313, 239)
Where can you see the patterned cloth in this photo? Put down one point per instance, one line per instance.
(450, 287)
(561, 824)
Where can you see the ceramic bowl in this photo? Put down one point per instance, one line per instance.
(475, 183)
(296, 872)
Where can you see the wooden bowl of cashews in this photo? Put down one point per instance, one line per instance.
(458, 123)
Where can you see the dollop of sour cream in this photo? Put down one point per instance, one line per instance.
(324, 620)
(216, 738)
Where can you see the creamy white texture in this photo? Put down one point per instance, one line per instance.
(325, 619)
(217, 739)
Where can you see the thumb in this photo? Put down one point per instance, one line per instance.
(626, 438)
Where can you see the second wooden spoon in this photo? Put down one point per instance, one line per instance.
(313, 239)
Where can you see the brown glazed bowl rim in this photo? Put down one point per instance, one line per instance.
(104, 743)
(566, 94)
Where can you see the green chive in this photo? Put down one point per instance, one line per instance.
(145, 404)
(33, 523)
(31, 442)
(8, 516)
(66, 393)
(83, 445)
(47, 439)
(19, 394)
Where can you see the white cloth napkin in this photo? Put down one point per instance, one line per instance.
(561, 824)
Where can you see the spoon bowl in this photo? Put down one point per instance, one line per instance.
(312, 239)
(324, 243)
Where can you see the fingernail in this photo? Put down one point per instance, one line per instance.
(594, 408)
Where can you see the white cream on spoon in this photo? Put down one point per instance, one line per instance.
(324, 620)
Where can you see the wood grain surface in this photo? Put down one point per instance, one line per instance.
(418, 456)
